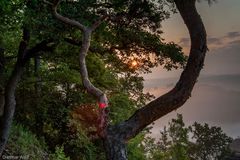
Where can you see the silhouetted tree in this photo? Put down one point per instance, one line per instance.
(116, 136)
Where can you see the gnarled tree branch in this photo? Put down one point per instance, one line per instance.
(65, 19)
(86, 38)
(121, 133)
(40, 47)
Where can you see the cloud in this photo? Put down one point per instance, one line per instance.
(214, 43)
(184, 42)
(215, 100)
(236, 42)
(225, 60)
(233, 34)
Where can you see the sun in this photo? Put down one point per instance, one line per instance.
(134, 63)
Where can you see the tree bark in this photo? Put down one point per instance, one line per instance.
(2, 102)
(9, 107)
(23, 57)
(2, 65)
(10, 103)
(114, 144)
(173, 99)
(86, 38)
(36, 74)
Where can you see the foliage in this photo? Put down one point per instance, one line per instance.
(136, 148)
(120, 102)
(196, 142)
(51, 88)
(78, 144)
(24, 143)
(59, 154)
(210, 142)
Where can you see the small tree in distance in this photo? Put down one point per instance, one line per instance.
(195, 142)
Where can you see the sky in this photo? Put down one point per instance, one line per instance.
(216, 97)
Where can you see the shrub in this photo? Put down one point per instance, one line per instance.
(59, 154)
(23, 143)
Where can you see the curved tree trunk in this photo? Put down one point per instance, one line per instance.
(23, 57)
(86, 39)
(9, 107)
(118, 134)
(10, 103)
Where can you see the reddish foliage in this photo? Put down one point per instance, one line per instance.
(91, 119)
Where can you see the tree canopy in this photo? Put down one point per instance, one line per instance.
(73, 70)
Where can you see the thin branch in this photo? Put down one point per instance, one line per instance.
(79, 43)
(72, 22)
(65, 19)
(73, 41)
(98, 22)
(103, 101)
(34, 51)
(87, 31)
(86, 38)
(47, 2)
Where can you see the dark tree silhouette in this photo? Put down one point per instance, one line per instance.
(118, 135)
(24, 54)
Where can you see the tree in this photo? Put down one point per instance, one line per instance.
(1, 78)
(198, 141)
(122, 19)
(211, 142)
(173, 143)
(117, 135)
(23, 56)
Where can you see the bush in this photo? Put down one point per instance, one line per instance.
(22, 144)
(59, 154)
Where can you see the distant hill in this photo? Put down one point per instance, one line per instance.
(235, 147)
